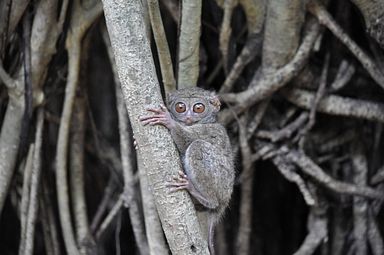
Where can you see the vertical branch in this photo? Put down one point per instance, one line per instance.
(73, 47)
(11, 126)
(155, 234)
(46, 30)
(28, 100)
(9, 140)
(81, 20)
(76, 168)
(130, 194)
(255, 14)
(25, 198)
(35, 186)
(282, 32)
(161, 45)
(243, 237)
(62, 150)
(50, 230)
(189, 44)
(226, 31)
(360, 205)
(140, 88)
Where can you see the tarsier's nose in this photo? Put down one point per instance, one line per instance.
(188, 121)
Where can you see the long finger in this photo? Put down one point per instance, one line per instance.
(148, 118)
(178, 181)
(142, 118)
(155, 110)
(172, 190)
(151, 122)
(175, 185)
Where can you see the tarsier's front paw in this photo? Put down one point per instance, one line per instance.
(161, 117)
(180, 182)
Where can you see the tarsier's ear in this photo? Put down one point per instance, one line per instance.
(215, 101)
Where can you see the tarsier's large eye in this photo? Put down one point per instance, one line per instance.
(180, 107)
(199, 108)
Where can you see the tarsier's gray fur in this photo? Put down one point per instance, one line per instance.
(206, 152)
(204, 148)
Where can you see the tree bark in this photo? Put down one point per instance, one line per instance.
(162, 46)
(139, 83)
(282, 33)
(189, 44)
(9, 141)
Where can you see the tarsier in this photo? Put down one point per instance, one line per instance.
(204, 148)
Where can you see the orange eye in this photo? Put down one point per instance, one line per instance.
(199, 108)
(180, 107)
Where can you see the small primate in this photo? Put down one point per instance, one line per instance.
(204, 148)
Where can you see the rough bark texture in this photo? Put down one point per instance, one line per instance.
(282, 30)
(189, 44)
(130, 192)
(126, 29)
(155, 235)
(9, 140)
(162, 46)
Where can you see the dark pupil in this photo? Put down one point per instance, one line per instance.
(180, 107)
(199, 108)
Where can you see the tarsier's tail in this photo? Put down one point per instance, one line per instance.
(211, 234)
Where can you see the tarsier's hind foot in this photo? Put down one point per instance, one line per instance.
(180, 182)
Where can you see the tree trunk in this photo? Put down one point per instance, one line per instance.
(134, 62)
